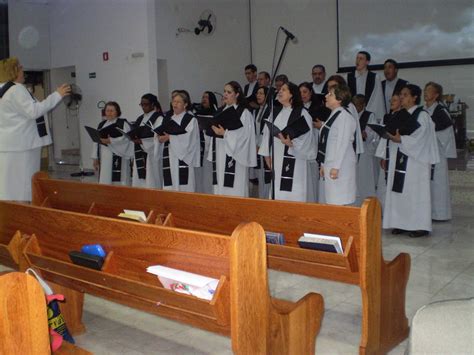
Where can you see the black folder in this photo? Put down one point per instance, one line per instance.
(139, 133)
(96, 134)
(294, 130)
(225, 121)
(379, 129)
(204, 121)
(170, 127)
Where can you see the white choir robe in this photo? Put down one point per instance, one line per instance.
(152, 179)
(263, 188)
(203, 174)
(120, 146)
(358, 133)
(313, 166)
(381, 183)
(411, 209)
(303, 150)
(440, 191)
(20, 143)
(365, 165)
(340, 155)
(185, 147)
(239, 144)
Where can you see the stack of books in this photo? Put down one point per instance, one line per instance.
(321, 242)
(138, 216)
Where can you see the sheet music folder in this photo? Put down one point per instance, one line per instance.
(379, 129)
(96, 135)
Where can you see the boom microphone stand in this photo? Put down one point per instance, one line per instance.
(270, 97)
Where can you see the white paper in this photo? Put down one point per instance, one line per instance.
(139, 214)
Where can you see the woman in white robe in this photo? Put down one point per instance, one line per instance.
(264, 173)
(408, 206)
(204, 173)
(180, 150)
(293, 147)
(233, 151)
(112, 158)
(383, 148)
(365, 164)
(336, 154)
(145, 164)
(24, 129)
(440, 190)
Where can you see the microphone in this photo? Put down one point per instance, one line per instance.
(288, 33)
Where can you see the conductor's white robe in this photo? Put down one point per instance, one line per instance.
(20, 143)
(411, 209)
(240, 145)
(303, 150)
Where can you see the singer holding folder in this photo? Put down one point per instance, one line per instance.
(112, 156)
(233, 146)
(294, 145)
(24, 129)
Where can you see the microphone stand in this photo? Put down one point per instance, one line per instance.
(270, 95)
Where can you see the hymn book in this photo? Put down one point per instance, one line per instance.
(138, 216)
(321, 242)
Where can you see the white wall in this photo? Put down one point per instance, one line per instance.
(199, 63)
(314, 23)
(81, 30)
(25, 19)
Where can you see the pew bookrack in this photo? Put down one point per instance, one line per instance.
(382, 283)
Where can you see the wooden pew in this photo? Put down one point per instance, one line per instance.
(382, 284)
(241, 307)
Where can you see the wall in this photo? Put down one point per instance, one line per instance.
(27, 19)
(314, 23)
(81, 30)
(199, 63)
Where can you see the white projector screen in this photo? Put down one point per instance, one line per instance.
(413, 32)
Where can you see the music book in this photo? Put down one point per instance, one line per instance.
(113, 131)
(379, 129)
(138, 132)
(94, 134)
(275, 238)
(138, 216)
(185, 282)
(321, 242)
(170, 127)
(296, 129)
(204, 121)
(229, 119)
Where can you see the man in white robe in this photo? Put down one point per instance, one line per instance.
(409, 208)
(392, 84)
(365, 82)
(440, 191)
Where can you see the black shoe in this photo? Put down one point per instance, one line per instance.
(418, 234)
(398, 231)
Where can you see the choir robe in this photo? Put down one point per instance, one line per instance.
(303, 150)
(440, 191)
(368, 84)
(366, 177)
(203, 174)
(263, 187)
(411, 208)
(120, 146)
(239, 144)
(313, 166)
(152, 178)
(20, 142)
(185, 147)
(340, 155)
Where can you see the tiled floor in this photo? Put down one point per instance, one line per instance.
(442, 268)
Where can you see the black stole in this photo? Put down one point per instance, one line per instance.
(229, 171)
(323, 138)
(116, 159)
(183, 167)
(40, 122)
(289, 161)
(402, 161)
(369, 84)
(441, 118)
(140, 154)
(363, 120)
